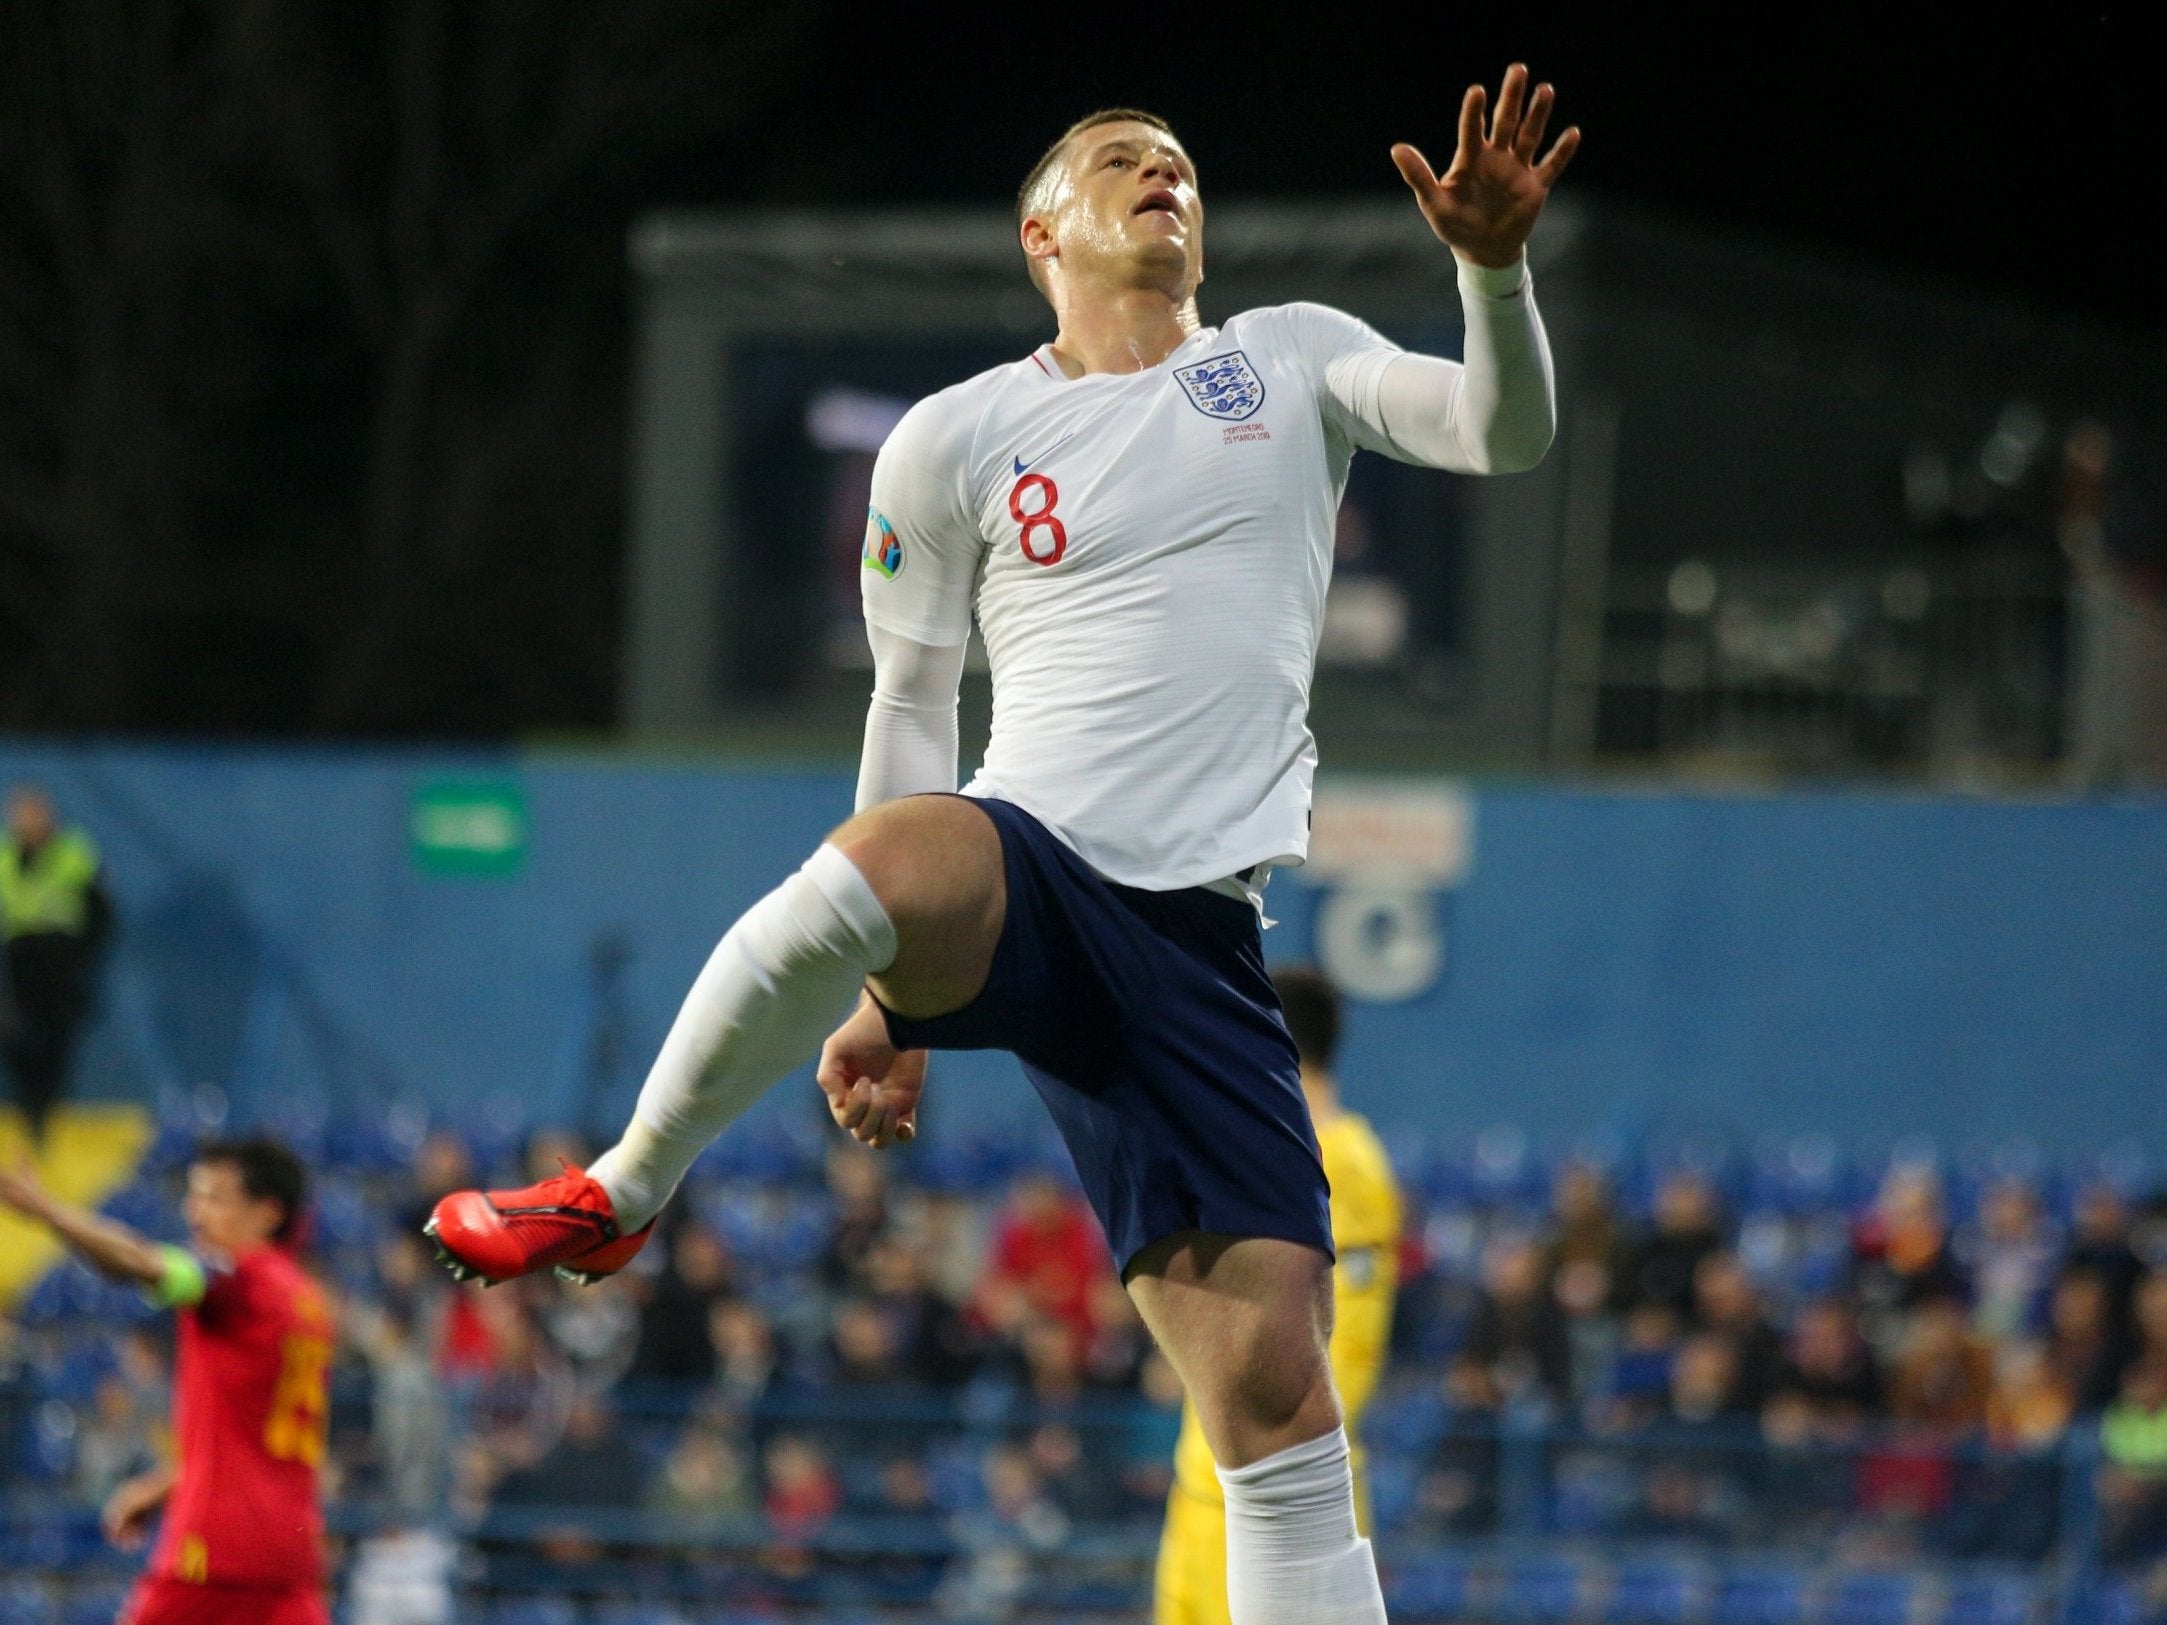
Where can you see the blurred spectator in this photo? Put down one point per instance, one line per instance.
(596, 1328)
(1018, 1523)
(15, 1390)
(803, 1495)
(1943, 1374)
(674, 1343)
(1017, 1505)
(402, 1577)
(590, 1470)
(1587, 1261)
(2133, 1479)
(2113, 530)
(408, 1279)
(1638, 1386)
(146, 1366)
(2148, 1317)
(1046, 1254)
(1688, 1227)
(1703, 1381)
(517, 1397)
(1728, 1304)
(858, 1184)
(939, 1346)
(949, 1234)
(1587, 1236)
(1081, 1483)
(2084, 1345)
(747, 1355)
(116, 1441)
(863, 1347)
(2031, 1406)
(1119, 1342)
(704, 1482)
(1901, 1256)
(1053, 1367)
(2099, 1242)
(442, 1164)
(55, 919)
(1830, 1373)
(2011, 1505)
(409, 1423)
(1154, 1427)
(1518, 1336)
(1459, 1496)
(1689, 1488)
(2011, 1255)
(908, 1575)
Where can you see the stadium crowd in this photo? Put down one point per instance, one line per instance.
(929, 1379)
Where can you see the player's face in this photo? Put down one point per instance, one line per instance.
(1129, 209)
(219, 1212)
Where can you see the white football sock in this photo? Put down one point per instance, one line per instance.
(1292, 1554)
(781, 979)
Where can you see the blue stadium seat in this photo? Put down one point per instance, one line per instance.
(1407, 1419)
(1772, 1596)
(1430, 1588)
(1505, 1172)
(1395, 1489)
(1592, 1492)
(94, 1605)
(1540, 1591)
(636, 1613)
(343, 1214)
(535, 1611)
(1655, 1592)
(1410, 1153)
(2106, 1600)
(27, 1602)
(2011, 1599)
(1870, 1599)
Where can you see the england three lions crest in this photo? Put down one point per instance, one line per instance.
(1224, 387)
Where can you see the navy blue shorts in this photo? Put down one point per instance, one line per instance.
(1148, 1025)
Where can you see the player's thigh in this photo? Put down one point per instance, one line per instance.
(1246, 1322)
(935, 863)
(1189, 1584)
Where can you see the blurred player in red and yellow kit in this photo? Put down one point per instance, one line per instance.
(1191, 1583)
(242, 1537)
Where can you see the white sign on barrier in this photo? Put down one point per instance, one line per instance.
(1385, 851)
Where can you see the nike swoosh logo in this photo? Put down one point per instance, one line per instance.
(1023, 468)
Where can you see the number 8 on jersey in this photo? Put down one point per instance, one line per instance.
(1039, 518)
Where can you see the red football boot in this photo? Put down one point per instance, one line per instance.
(564, 1223)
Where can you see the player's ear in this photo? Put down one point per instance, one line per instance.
(1037, 238)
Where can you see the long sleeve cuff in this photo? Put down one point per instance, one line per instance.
(1487, 282)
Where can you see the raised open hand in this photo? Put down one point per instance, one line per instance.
(1485, 205)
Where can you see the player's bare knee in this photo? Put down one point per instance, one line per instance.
(927, 858)
(935, 864)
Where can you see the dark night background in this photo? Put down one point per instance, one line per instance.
(313, 318)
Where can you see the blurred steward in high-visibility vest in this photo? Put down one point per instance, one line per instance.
(1191, 1582)
(55, 917)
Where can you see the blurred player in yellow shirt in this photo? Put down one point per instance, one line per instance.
(1191, 1586)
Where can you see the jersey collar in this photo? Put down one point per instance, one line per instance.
(1043, 360)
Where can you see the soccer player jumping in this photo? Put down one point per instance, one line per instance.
(1141, 516)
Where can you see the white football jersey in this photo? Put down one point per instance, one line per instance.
(1147, 555)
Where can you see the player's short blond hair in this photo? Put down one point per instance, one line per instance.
(1031, 195)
